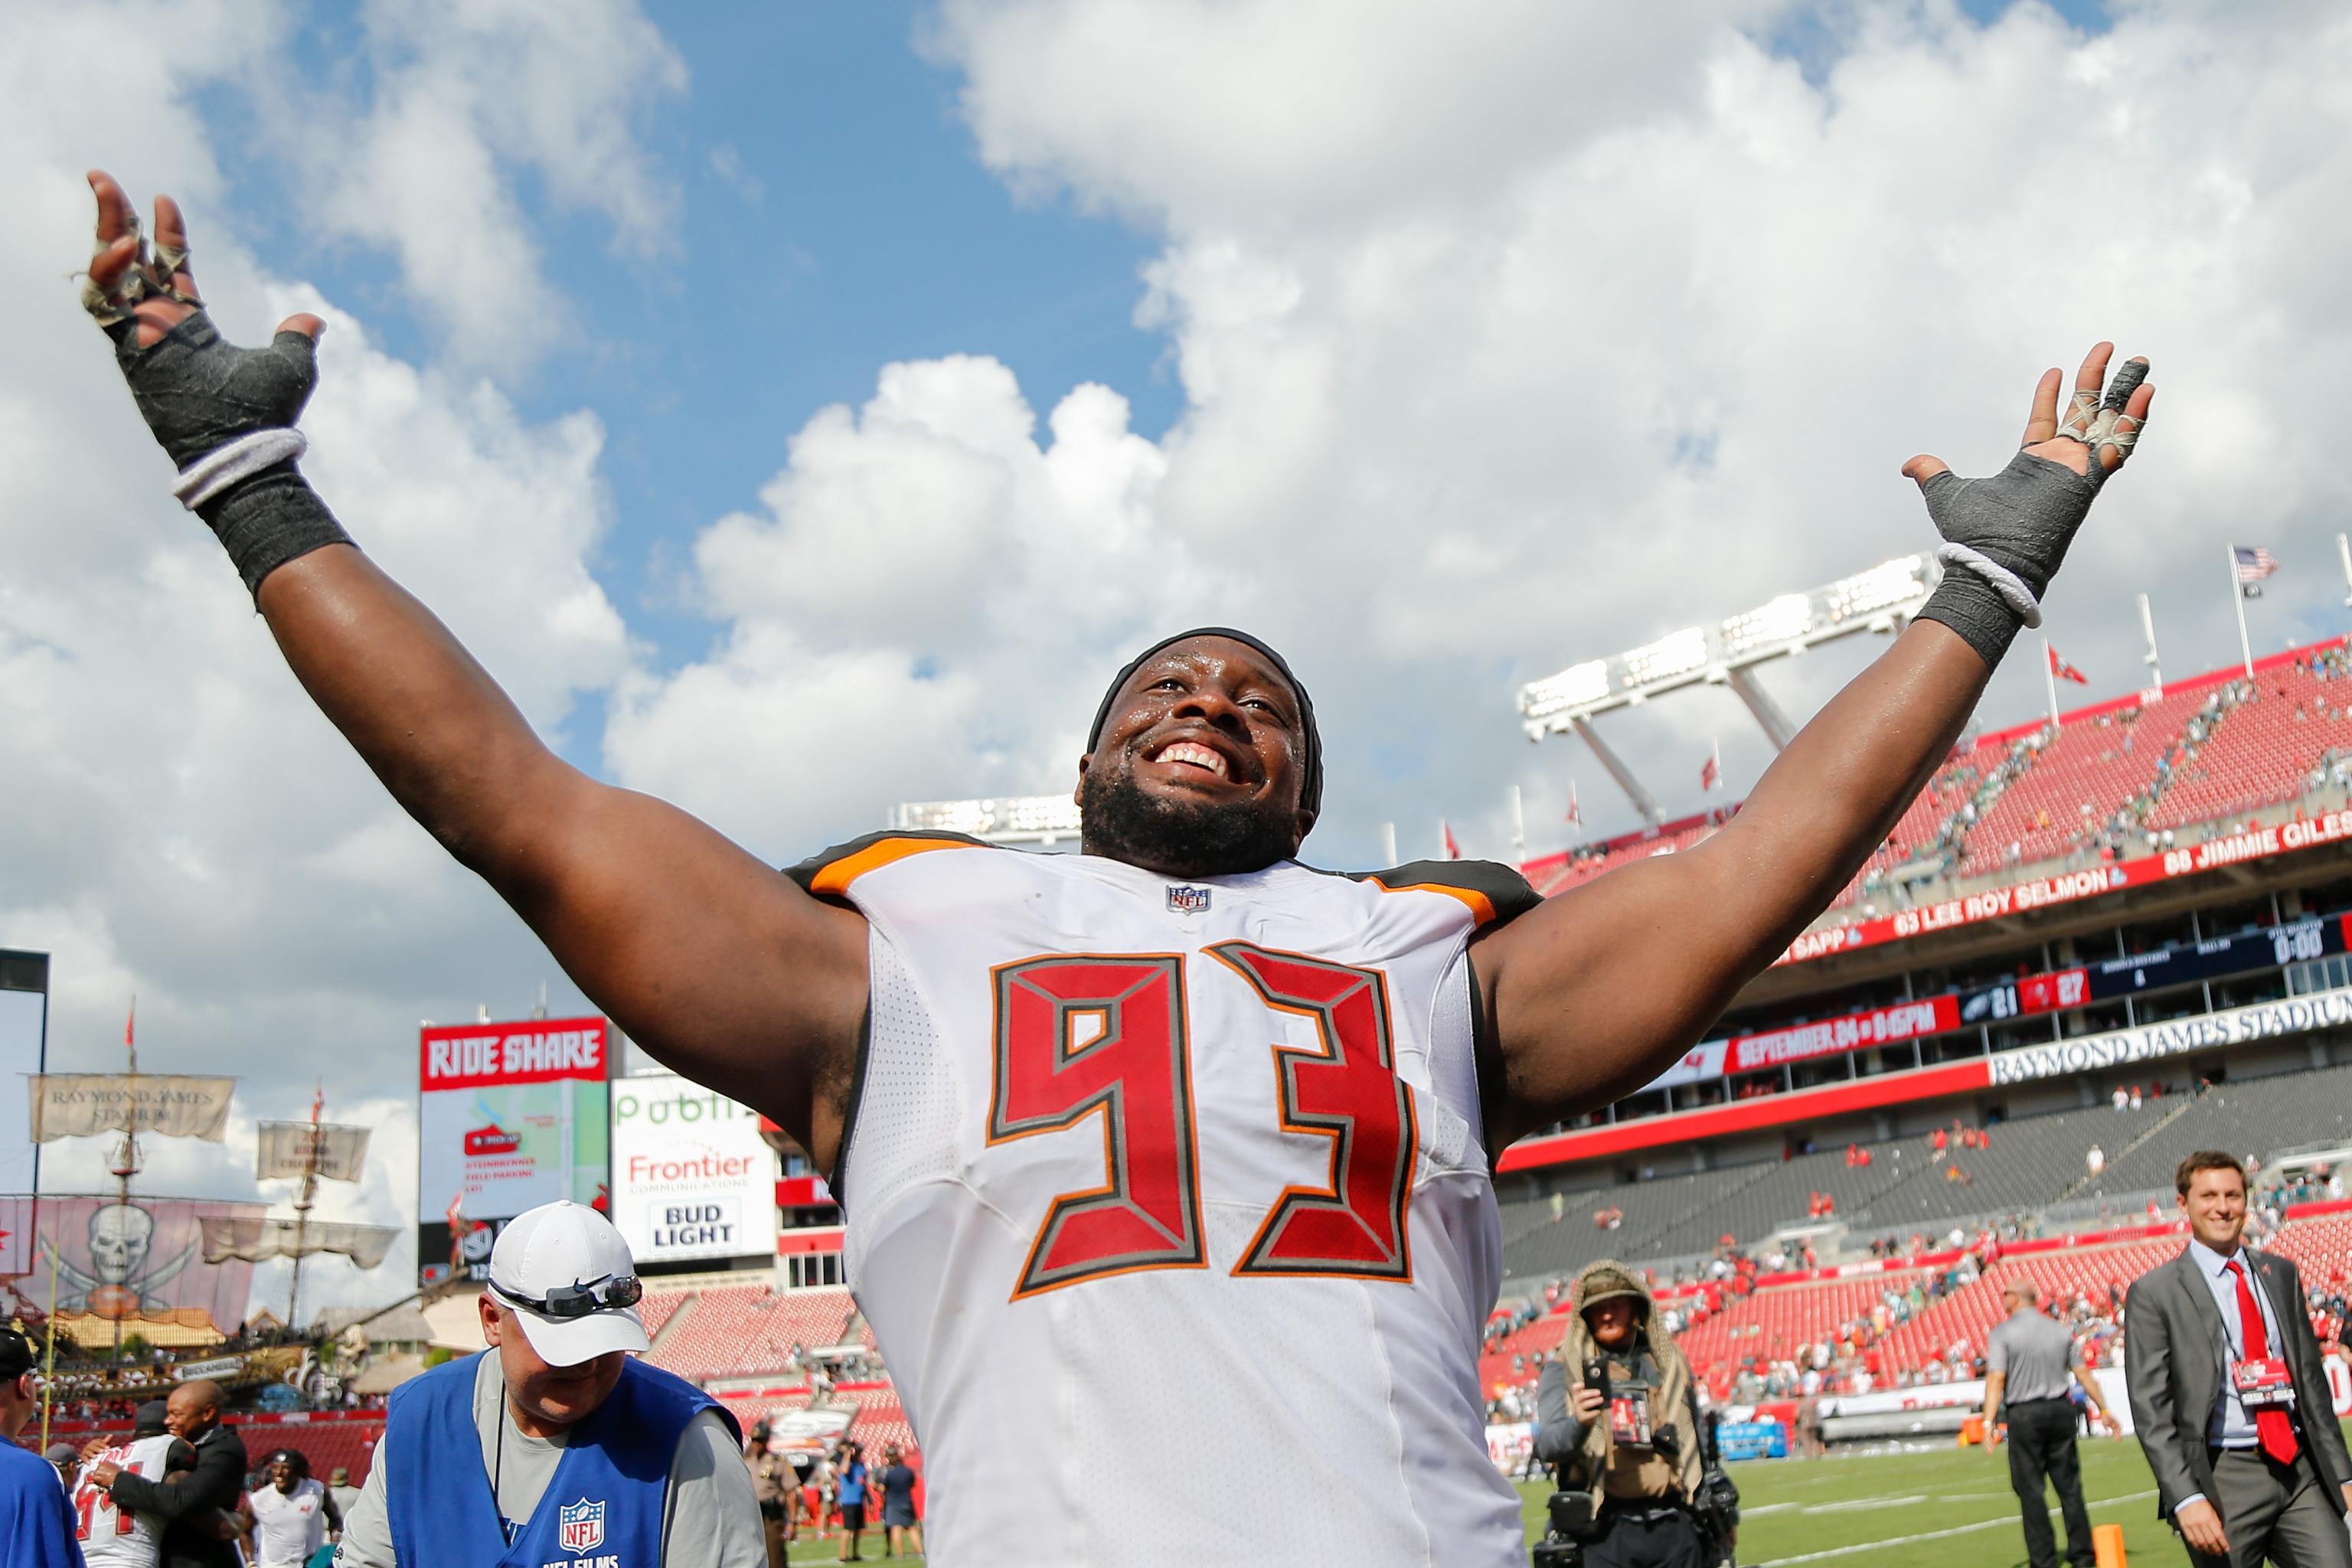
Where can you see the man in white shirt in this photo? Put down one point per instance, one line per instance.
(2229, 1395)
(293, 1516)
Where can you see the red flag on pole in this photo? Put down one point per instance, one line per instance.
(1452, 849)
(1575, 812)
(2064, 672)
(1710, 772)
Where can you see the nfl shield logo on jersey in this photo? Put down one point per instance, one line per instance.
(1184, 900)
(580, 1526)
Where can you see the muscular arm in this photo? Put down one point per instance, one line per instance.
(713, 961)
(1590, 995)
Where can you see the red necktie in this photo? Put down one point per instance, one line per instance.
(2271, 1421)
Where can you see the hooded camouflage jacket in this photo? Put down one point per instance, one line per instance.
(1588, 1456)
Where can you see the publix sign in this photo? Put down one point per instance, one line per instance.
(691, 1176)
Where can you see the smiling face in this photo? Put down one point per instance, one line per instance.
(2215, 1204)
(1199, 767)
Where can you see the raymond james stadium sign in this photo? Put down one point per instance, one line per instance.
(2151, 1042)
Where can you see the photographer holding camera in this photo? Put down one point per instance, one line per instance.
(1617, 1418)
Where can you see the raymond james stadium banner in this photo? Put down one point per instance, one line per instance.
(510, 1116)
(2207, 1031)
(2177, 963)
(692, 1178)
(85, 1104)
(140, 1259)
(2023, 1064)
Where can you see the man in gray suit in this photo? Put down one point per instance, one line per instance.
(2228, 1395)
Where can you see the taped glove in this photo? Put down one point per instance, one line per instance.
(226, 418)
(2006, 534)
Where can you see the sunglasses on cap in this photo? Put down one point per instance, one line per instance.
(608, 1295)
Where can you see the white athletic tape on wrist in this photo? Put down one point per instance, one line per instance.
(241, 458)
(2006, 583)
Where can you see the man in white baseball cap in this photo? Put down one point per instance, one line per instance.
(584, 1451)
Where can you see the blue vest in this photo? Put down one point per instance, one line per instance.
(602, 1508)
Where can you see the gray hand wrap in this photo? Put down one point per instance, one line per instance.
(200, 394)
(2006, 534)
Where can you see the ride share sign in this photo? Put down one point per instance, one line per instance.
(692, 1178)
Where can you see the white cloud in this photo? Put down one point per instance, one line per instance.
(1512, 335)
(181, 825)
(917, 608)
(467, 98)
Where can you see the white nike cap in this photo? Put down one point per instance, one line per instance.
(556, 1268)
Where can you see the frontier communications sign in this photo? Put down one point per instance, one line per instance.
(692, 1178)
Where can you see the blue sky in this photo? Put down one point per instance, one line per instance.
(833, 217)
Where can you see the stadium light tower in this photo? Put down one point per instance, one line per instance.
(1043, 819)
(1882, 599)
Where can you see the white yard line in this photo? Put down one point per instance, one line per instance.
(1933, 1534)
(1851, 1505)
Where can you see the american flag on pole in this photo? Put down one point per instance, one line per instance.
(2254, 563)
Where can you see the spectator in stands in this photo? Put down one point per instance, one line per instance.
(2028, 1360)
(475, 1444)
(2094, 1159)
(37, 1522)
(902, 1527)
(194, 1506)
(1635, 1449)
(2242, 1475)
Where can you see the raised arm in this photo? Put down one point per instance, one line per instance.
(1600, 989)
(712, 960)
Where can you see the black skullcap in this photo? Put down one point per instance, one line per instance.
(150, 1418)
(1310, 787)
(15, 1355)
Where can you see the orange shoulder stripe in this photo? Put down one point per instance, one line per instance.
(1481, 907)
(834, 879)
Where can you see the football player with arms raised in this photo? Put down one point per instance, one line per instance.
(1166, 1154)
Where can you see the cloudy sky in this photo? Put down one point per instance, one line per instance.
(805, 414)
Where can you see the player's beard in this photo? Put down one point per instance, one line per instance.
(1118, 819)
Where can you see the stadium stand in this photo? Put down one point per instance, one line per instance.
(2078, 777)
(2255, 1115)
(745, 1330)
(1582, 864)
(2271, 736)
(1923, 829)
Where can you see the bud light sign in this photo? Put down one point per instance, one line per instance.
(692, 1178)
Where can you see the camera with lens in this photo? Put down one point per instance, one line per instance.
(1572, 1524)
(1568, 1516)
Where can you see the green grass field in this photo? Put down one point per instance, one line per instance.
(1951, 1507)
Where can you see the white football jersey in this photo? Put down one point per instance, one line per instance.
(117, 1538)
(287, 1526)
(1168, 1204)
